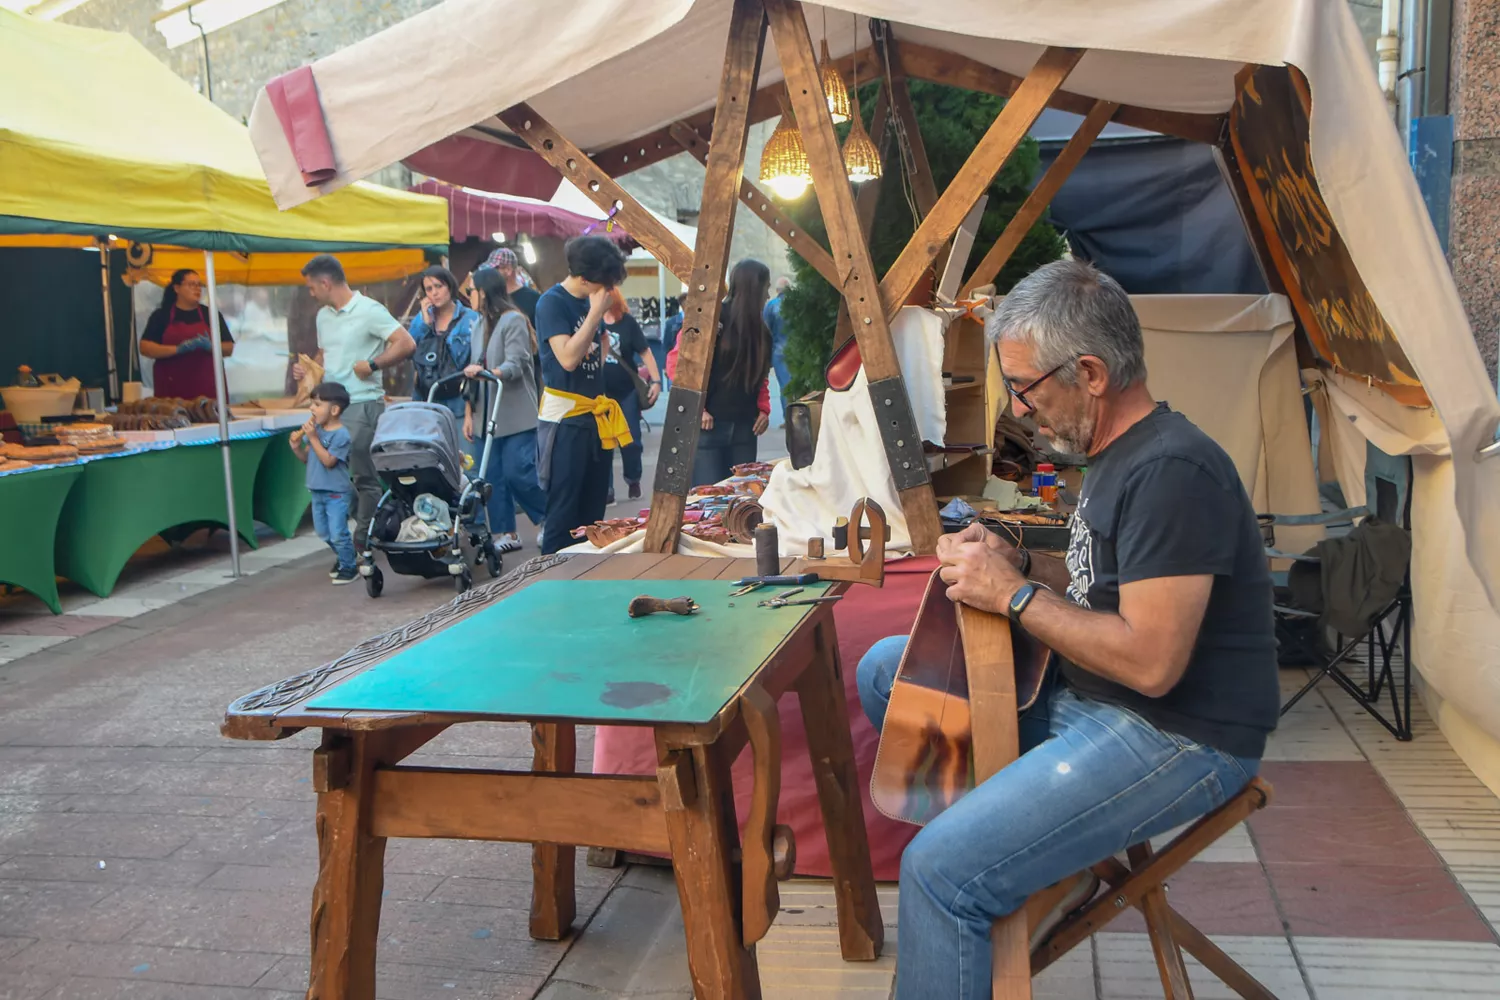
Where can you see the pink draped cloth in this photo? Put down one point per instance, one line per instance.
(294, 97)
(864, 616)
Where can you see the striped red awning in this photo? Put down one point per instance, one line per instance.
(481, 215)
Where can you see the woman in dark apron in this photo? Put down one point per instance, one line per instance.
(176, 339)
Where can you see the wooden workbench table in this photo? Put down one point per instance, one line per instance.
(727, 891)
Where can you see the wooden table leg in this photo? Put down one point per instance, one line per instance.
(351, 863)
(825, 716)
(704, 835)
(1174, 978)
(553, 904)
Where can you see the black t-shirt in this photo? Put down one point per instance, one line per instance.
(156, 326)
(526, 299)
(727, 400)
(629, 344)
(559, 313)
(1165, 500)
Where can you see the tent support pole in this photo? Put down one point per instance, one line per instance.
(661, 302)
(700, 307)
(1040, 197)
(976, 175)
(221, 393)
(860, 286)
(109, 323)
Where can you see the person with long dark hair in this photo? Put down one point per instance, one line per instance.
(504, 344)
(628, 351)
(443, 330)
(736, 407)
(176, 338)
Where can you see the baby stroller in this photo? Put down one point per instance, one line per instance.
(431, 520)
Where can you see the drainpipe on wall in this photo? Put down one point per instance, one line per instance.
(1388, 53)
(1412, 79)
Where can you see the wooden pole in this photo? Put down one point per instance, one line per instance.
(903, 444)
(700, 312)
(1041, 196)
(764, 206)
(865, 203)
(599, 187)
(977, 174)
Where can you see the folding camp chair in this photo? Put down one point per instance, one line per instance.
(1300, 633)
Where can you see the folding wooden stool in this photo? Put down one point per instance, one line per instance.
(1141, 883)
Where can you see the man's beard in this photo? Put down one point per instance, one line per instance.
(1070, 432)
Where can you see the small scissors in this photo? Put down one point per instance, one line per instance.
(784, 600)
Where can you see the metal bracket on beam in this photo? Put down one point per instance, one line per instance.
(674, 465)
(898, 431)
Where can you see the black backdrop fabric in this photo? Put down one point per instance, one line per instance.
(1157, 215)
(52, 314)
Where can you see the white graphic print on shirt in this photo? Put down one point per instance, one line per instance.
(1080, 558)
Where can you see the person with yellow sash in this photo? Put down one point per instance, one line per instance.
(578, 425)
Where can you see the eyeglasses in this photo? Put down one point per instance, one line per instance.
(1020, 393)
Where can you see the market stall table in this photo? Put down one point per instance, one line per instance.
(707, 685)
(281, 498)
(31, 501)
(121, 501)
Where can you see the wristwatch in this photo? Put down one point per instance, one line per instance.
(374, 365)
(1020, 602)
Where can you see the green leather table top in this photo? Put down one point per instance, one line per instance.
(566, 649)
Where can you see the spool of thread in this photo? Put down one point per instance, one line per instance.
(767, 550)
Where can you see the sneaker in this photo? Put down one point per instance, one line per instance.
(1080, 890)
(333, 570)
(344, 576)
(507, 543)
(635, 490)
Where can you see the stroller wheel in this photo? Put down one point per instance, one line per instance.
(492, 560)
(463, 581)
(375, 583)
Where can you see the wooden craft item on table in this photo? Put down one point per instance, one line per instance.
(863, 565)
(926, 759)
(645, 605)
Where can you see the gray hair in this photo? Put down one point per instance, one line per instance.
(1067, 309)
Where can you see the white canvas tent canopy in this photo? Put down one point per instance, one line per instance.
(1393, 329)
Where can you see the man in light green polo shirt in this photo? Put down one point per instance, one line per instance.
(357, 337)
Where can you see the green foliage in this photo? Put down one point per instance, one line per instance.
(952, 122)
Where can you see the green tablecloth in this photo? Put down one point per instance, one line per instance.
(281, 496)
(119, 503)
(30, 504)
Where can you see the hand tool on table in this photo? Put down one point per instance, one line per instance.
(748, 583)
(787, 599)
(863, 564)
(645, 605)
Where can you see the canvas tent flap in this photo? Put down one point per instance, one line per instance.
(180, 171)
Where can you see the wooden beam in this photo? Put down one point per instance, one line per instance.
(599, 187)
(903, 445)
(977, 174)
(765, 206)
(520, 807)
(923, 62)
(1041, 196)
(865, 203)
(700, 310)
(657, 145)
(924, 188)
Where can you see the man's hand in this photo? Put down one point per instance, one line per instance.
(762, 421)
(707, 421)
(978, 571)
(599, 302)
(363, 369)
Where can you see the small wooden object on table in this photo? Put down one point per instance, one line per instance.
(686, 810)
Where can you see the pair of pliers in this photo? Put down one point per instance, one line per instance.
(784, 600)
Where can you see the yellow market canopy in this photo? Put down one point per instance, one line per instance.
(98, 138)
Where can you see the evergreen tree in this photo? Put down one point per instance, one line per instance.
(952, 122)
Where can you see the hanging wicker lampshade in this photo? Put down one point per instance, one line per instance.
(834, 89)
(861, 155)
(783, 164)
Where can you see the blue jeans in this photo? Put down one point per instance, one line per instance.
(630, 455)
(783, 375)
(330, 513)
(512, 476)
(1092, 780)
